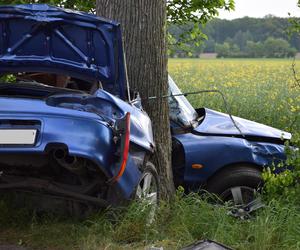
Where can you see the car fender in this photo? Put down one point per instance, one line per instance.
(213, 153)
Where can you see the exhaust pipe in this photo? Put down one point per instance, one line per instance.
(69, 162)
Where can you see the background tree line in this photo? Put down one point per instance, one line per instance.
(243, 37)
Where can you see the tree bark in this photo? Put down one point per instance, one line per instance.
(143, 25)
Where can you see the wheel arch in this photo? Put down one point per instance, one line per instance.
(230, 167)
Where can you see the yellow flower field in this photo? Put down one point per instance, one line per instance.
(260, 90)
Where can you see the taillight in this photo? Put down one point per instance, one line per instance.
(125, 141)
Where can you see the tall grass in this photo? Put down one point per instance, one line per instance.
(181, 222)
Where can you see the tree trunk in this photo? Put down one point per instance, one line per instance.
(144, 32)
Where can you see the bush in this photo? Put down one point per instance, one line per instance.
(286, 183)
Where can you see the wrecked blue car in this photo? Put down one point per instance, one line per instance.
(67, 128)
(219, 152)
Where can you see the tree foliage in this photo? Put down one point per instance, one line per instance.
(295, 23)
(270, 48)
(185, 11)
(243, 37)
(196, 13)
(84, 5)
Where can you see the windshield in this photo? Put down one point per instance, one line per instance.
(181, 111)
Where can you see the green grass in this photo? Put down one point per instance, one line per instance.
(260, 90)
(179, 223)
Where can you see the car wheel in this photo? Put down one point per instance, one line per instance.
(239, 184)
(147, 191)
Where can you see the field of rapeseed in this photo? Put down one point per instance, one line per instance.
(259, 90)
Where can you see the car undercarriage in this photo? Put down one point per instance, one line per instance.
(55, 173)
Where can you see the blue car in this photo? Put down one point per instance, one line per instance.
(68, 130)
(221, 153)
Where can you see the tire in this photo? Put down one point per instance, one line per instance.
(237, 183)
(148, 194)
(148, 170)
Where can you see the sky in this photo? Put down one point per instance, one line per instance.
(261, 8)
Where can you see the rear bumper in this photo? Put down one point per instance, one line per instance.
(85, 138)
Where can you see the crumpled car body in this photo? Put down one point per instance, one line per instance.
(86, 144)
(83, 138)
(206, 142)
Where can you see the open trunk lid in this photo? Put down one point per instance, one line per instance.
(43, 38)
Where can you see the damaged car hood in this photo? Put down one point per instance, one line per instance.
(217, 123)
(43, 38)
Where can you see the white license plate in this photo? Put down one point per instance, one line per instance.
(17, 136)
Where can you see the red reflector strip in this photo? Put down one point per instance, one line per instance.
(125, 150)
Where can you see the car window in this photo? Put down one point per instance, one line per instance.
(181, 111)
